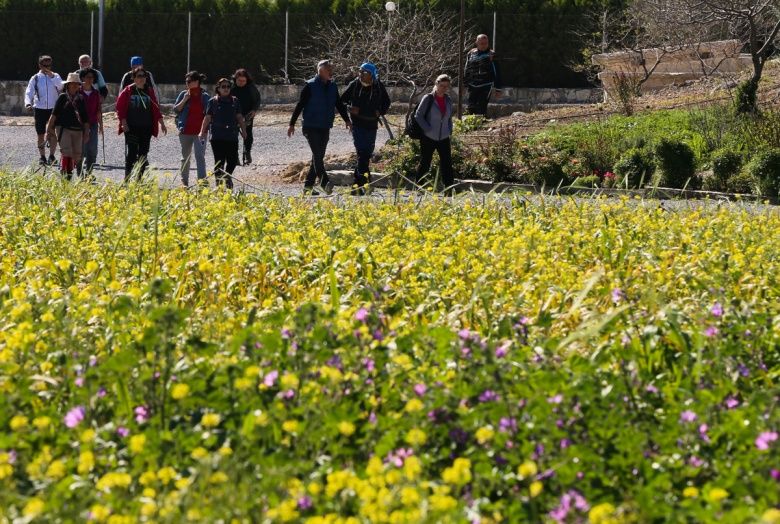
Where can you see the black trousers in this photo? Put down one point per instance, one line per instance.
(427, 147)
(137, 151)
(250, 139)
(318, 143)
(225, 160)
(478, 100)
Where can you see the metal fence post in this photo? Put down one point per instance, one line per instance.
(493, 42)
(189, 39)
(91, 34)
(286, 43)
(101, 30)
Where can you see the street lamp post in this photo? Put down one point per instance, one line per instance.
(389, 7)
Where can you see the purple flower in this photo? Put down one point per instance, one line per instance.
(651, 389)
(270, 378)
(74, 416)
(305, 503)
(703, 432)
(775, 474)
(507, 425)
(555, 399)
(79, 382)
(287, 395)
(122, 431)
(731, 403)
(617, 294)
(361, 315)
(695, 461)
(102, 392)
(503, 349)
(711, 331)
(286, 334)
(687, 416)
(538, 451)
(141, 414)
(765, 439)
(420, 389)
(489, 396)
(372, 418)
(743, 370)
(465, 352)
(565, 443)
(12, 456)
(369, 364)
(464, 334)
(378, 335)
(716, 310)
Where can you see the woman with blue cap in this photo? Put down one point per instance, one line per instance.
(368, 101)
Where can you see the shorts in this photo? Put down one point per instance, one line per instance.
(41, 119)
(71, 142)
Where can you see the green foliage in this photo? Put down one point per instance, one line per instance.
(745, 97)
(587, 181)
(741, 183)
(764, 168)
(634, 169)
(676, 165)
(725, 164)
(541, 164)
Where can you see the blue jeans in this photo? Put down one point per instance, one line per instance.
(364, 140)
(192, 146)
(90, 149)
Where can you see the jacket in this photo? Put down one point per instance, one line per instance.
(123, 103)
(42, 92)
(181, 117)
(481, 69)
(248, 96)
(437, 127)
(319, 102)
(366, 103)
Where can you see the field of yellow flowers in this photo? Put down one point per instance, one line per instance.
(202, 357)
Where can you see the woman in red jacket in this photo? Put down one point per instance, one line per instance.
(139, 119)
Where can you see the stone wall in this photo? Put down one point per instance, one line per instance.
(12, 95)
(673, 66)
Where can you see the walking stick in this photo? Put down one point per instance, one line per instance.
(103, 141)
(387, 126)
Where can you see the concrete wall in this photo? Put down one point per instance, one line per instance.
(12, 95)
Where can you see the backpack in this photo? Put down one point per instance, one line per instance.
(412, 128)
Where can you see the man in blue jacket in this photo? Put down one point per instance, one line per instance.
(368, 101)
(319, 101)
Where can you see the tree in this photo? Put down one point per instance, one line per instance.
(410, 48)
(755, 23)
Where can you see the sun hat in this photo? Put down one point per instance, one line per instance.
(136, 61)
(371, 68)
(73, 78)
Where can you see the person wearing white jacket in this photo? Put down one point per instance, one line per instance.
(42, 92)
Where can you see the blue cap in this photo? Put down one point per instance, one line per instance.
(371, 68)
(136, 61)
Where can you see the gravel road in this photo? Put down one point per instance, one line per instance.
(272, 150)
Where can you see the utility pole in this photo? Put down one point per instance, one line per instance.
(101, 27)
(460, 57)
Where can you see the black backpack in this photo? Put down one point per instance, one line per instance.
(412, 128)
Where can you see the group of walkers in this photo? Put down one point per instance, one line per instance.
(69, 113)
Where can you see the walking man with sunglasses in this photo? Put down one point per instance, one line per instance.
(42, 92)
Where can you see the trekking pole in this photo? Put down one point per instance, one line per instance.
(103, 141)
(387, 126)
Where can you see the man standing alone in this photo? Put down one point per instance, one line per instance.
(319, 101)
(481, 75)
(41, 95)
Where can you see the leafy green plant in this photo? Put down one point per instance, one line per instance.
(587, 181)
(634, 169)
(542, 164)
(676, 165)
(764, 168)
(741, 183)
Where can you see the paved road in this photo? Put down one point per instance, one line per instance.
(272, 151)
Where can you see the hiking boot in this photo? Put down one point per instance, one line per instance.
(52, 160)
(247, 157)
(43, 161)
(310, 191)
(328, 188)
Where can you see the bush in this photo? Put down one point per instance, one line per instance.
(725, 164)
(676, 165)
(741, 183)
(633, 169)
(497, 157)
(764, 169)
(587, 181)
(745, 100)
(541, 164)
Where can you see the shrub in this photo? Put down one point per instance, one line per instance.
(497, 157)
(725, 164)
(764, 169)
(633, 169)
(587, 181)
(745, 99)
(740, 183)
(541, 164)
(676, 165)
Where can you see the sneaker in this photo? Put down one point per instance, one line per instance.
(52, 160)
(310, 191)
(43, 161)
(328, 188)
(247, 157)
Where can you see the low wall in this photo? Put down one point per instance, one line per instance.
(12, 95)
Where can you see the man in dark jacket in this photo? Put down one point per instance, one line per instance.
(367, 100)
(319, 101)
(481, 75)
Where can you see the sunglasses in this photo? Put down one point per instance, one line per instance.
(224, 86)
(140, 76)
(45, 64)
